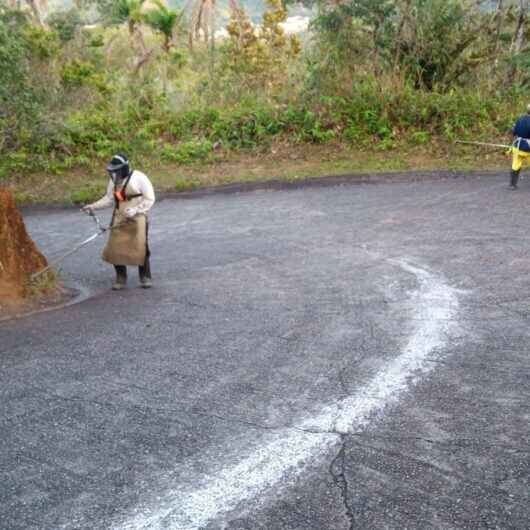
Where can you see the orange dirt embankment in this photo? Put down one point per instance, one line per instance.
(19, 256)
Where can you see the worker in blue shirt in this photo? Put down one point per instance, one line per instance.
(520, 147)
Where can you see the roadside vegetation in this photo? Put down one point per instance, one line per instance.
(371, 85)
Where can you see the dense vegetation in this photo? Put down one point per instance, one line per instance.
(157, 82)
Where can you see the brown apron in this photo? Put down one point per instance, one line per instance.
(127, 243)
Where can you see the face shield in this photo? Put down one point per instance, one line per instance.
(118, 169)
(115, 176)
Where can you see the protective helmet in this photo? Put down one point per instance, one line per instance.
(119, 167)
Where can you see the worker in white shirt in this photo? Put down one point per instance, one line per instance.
(132, 195)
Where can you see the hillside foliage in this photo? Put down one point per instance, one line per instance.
(157, 82)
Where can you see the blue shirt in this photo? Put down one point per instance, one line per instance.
(521, 130)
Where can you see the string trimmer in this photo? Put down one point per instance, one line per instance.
(483, 143)
(100, 230)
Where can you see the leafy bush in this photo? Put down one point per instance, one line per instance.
(187, 152)
(77, 73)
(186, 184)
(88, 194)
(65, 23)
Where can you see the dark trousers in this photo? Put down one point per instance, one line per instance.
(144, 270)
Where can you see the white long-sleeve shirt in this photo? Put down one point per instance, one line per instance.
(138, 183)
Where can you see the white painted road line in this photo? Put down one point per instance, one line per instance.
(285, 453)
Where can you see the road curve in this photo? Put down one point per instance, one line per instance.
(345, 357)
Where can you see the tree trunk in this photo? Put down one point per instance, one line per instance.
(139, 46)
(404, 19)
(35, 11)
(165, 66)
(499, 19)
(499, 15)
(143, 61)
(518, 39)
(140, 36)
(165, 74)
(110, 42)
(211, 23)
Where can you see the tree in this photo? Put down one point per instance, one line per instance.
(24, 94)
(202, 21)
(165, 21)
(37, 8)
(65, 23)
(258, 57)
(433, 42)
(130, 12)
(518, 39)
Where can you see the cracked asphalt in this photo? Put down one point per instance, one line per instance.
(268, 306)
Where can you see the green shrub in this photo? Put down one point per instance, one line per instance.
(420, 137)
(187, 152)
(88, 194)
(23, 197)
(65, 23)
(77, 73)
(186, 184)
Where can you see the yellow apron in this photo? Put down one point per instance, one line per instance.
(127, 243)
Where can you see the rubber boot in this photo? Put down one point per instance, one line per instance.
(145, 274)
(121, 278)
(146, 283)
(514, 178)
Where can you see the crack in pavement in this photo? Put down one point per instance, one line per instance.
(336, 470)
(453, 442)
(283, 454)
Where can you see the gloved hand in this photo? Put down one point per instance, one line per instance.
(130, 212)
(87, 208)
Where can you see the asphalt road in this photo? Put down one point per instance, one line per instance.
(328, 358)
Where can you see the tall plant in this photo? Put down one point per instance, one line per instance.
(130, 12)
(259, 57)
(166, 22)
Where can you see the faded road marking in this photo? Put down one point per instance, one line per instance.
(285, 453)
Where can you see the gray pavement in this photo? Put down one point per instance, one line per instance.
(326, 358)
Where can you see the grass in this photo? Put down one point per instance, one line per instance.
(46, 283)
(275, 162)
(88, 193)
(44, 291)
(186, 183)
